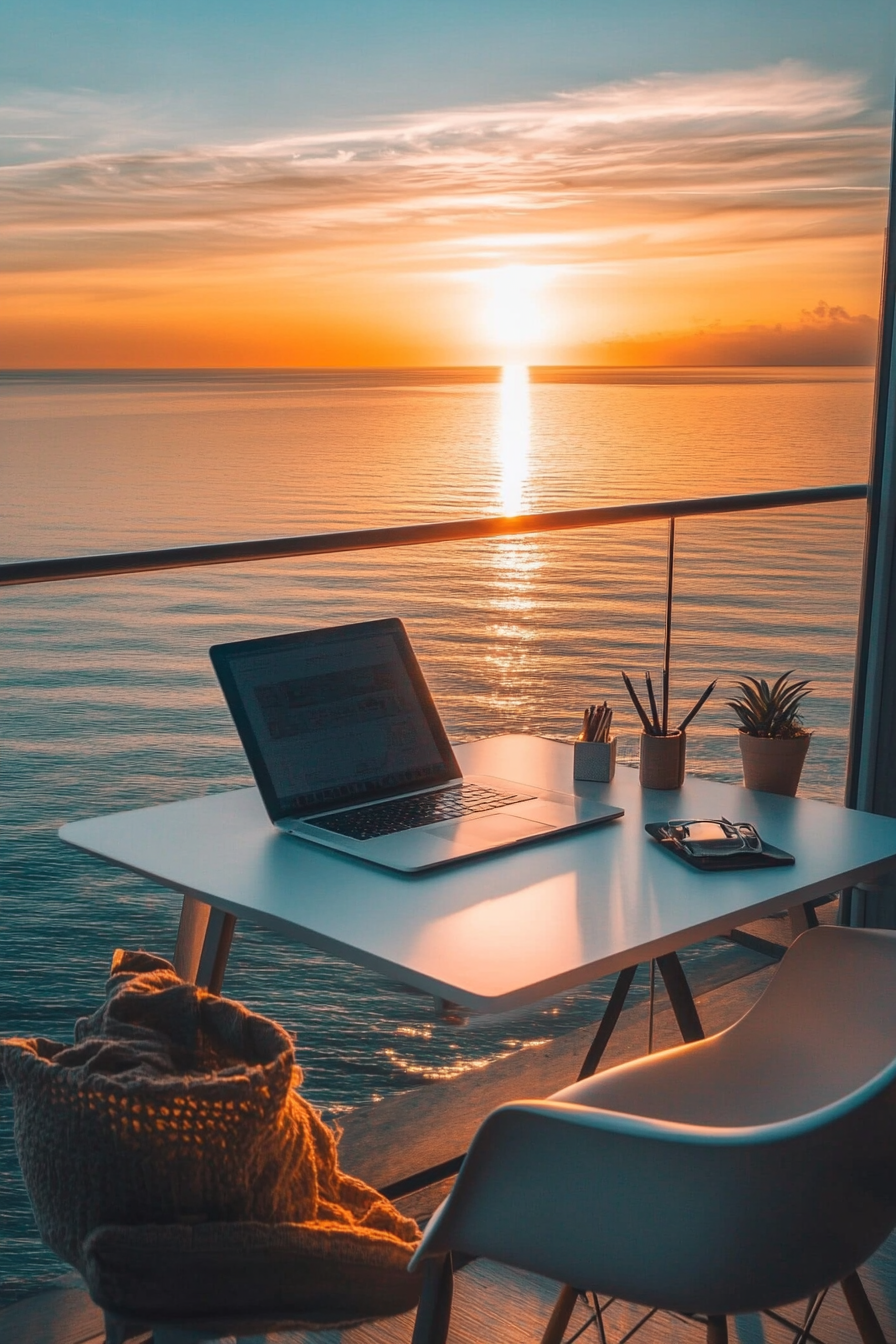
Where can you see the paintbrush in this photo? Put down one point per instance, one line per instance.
(699, 705)
(648, 726)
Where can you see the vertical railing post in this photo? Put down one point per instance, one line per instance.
(667, 641)
(871, 771)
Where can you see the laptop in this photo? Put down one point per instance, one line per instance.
(348, 751)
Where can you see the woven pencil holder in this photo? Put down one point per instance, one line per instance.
(661, 764)
(594, 761)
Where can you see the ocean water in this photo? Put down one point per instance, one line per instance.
(108, 700)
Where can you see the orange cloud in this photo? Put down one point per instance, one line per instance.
(823, 336)
(713, 204)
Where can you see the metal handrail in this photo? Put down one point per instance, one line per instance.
(416, 534)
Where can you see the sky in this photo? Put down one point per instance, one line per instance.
(394, 183)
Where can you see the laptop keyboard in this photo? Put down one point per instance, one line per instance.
(404, 814)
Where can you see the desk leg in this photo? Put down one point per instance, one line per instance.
(681, 998)
(608, 1022)
(203, 943)
(802, 917)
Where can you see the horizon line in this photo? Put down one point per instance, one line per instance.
(386, 368)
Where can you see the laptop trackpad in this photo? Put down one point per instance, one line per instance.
(541, 809)
(482, 832)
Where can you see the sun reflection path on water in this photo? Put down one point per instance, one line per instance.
(515, 561)
(514, 430)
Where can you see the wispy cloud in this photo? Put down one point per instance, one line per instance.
(659, 171)
(41, 124)
(647, 164)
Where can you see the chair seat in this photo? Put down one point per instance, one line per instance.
(242, 1278)
(820, 1031)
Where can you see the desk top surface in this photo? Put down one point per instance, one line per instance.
(497, 932)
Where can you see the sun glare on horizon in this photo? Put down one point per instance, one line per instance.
(515, 318)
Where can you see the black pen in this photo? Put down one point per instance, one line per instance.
(699, 705)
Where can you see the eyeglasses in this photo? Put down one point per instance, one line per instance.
(711, 837)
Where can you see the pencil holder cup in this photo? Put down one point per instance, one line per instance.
(662, 761)
(595, 761)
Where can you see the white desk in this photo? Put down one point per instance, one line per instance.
(496, 933)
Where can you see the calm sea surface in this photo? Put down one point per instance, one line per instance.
(108, 700)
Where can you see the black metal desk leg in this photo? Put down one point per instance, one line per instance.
(608, 1022)
(802, 917)
(680, 997)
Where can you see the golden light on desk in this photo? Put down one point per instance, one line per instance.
(506, 939)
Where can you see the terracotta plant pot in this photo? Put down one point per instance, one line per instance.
(773, 764)
(662, 761)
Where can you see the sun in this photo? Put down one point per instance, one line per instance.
(514, 309)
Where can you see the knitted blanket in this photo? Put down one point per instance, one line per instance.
(175, 1106)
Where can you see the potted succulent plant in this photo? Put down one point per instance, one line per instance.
(773, 741)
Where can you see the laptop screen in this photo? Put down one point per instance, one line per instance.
(332, 717)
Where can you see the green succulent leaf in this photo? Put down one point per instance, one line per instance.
(770, 711)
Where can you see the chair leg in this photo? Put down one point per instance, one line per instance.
(120, 1331)
(717, 1330)
(434, 1311)
(563, 1309)
(867, 1323)
(166, 1334)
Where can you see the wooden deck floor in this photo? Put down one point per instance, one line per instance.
(492, 1304)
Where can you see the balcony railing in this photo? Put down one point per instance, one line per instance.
(415, 534)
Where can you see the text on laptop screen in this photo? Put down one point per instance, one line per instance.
(338, 721)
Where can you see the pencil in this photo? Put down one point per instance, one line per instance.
(595, 724)
(653, 709)
(699, 705)
(648, 726)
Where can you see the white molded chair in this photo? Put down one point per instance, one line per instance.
(731, 1175)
